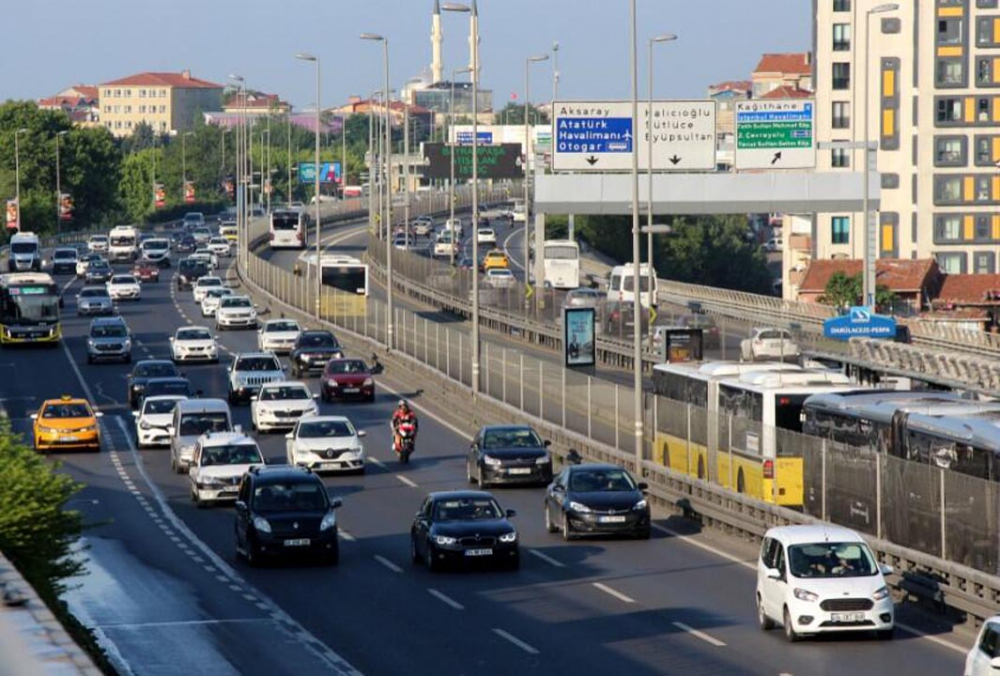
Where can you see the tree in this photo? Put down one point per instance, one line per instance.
(142, 137)
(843, 291)
(136, 185)
(513, 113)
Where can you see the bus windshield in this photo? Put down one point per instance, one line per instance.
(561, 252)
(32, 304)
(288, 221)
(350, 278)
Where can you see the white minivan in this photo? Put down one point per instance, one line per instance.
(984, 658)
(288, 230)
(621, 285)
(193, 418)
(821, 578)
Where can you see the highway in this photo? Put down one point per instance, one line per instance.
(167, 595)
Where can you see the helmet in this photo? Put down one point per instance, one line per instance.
(402, 404)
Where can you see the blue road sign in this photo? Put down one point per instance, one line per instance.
(590, 135)
(464, 138)
(329, 172)
(859, 322)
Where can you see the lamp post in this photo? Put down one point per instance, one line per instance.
(387, 217)
(343, 153)
(242, 227)
(17, 172)
(451, 160)
(636, 296)
(870, 229)
(58, 184)
(289, 134)
(555, 70)
(302, 56)
(474, 67)
(222, 166)
(659, 39)
(527, 167)
(266, 161)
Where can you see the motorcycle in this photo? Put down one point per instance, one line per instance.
(407, 434)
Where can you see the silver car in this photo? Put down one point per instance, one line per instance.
(109, 338)
(94, 300)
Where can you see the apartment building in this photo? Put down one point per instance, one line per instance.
(934, 109)
(168, 102)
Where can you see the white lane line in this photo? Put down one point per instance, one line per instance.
(708, 548)
(376, 462)
(699, 634)
(546, 558)
(387, 563)
(933, 639)
(447, 600)
(516, 641)
(344, 535)
(406, 480)
(613, 592)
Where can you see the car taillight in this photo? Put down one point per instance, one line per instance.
(272, 236)
(301, 237)
(769, 469)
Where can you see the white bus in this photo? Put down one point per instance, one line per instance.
(288, 229)
(621, 285)
(561, 264)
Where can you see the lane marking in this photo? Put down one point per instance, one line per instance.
(406, 480)
(346, 536)
(699, 634)
(447, 600)
(613, 592)
(387, 563)
(183, 623)
(546, 558)
(516, 641)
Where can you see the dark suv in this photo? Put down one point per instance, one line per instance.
(282, 511)
(190, 271)
(143, 372)
(313, 349)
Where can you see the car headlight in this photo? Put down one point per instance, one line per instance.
(330, 382)
(210, 481)
(261, 524)
(444, 540)
(509, 537)
(187, 450)
(145, 425)
(329, 521)
(88, 428)
(578, 507)
(90, 342)
(491, 461)
(805, 595)
(128, 344)
(642, 504)
(881, 593)
(544, 460)
(137, 387)
(368, 382)
(47, 430)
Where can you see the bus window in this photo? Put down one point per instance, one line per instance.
(788, 411)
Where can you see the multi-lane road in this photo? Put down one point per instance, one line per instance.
(167, 595)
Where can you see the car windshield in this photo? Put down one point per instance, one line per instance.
(93, 293)
(196, 424)
(774, 334)
(194, 334)
(257, 364)
(322, 429)
(236, 302)
(467, 509)
(344, 366)
(159, 406)
(281, 326)
(68, 254)
(317, 340)
(230, 454)
(69, 410)
(209, 281)
(291, 497)
(179, 387)
(123, 279)
(99, 239)
(501, 273)
(284, 393)
(218, 293)
(831, 559)
(219, 240)
(156, 244)
(155, 370)
(23, 247)
(99, 265)
(601, 481)
(511, 438)
(108, 331)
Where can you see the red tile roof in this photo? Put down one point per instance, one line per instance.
(970, 290)
(900, 275)
(732, 85)
(799, 62)
(787, 92)
(179, 80)
(65, 102)
(87, 91)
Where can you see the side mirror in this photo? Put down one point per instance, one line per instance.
(886, 569)
(362, 433)
(511, 513)
(34, 416)
(547, 443)
(98, 414)
(240, 506)
(643, 486)
(170, 430)
(315, 396)
(135, 414)
(171, 339)
(773, 574)
(336, 503)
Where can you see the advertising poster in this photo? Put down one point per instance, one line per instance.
(578, 336)
(65, 207)
(159, 195)
(189, 192)
(13, 215)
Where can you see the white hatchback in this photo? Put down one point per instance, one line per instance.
(820, 579)
(210, 303)
(984, 658)
(279, 405)
(124, 287)
(278, 335)
(219, 462)
(203, 284)
(486, 236)
(220, 246)
(326, 443)
(152, 420)
(193, 343)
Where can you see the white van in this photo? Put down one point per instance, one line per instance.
(288, 229)
(25, 252)
(621, 285)
(124, 243)
(191, 419)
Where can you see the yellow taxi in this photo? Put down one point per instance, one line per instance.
(66, 424)
(495, 260)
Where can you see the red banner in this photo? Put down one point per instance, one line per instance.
(66, 207)
(159, 196)
(13, 215)
(189, 192)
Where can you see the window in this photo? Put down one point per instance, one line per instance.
(841, 115)
(841, 75)
(983, 110)
(984, 151)
(949, 31)
(982, 263)
(949, 228)
(841, 5)
(840, 230)
(987, 4)
(988, 644)
(983, 188)
(949, 151)
(983, 228)
(985, 35)
(840, 157)
(142, 93)
(949, 110)
(948, 189)
(952, 263)
(142, 109)
(841, 37)
(128, 109)
(163, 93)
(985, 69)
(951, 72)
(163, 109)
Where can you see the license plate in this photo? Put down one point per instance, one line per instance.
(520, 470)
(847, 617)
(612, 519)
(351, 390)
(68, 437)
(303, 542)
(478, 552)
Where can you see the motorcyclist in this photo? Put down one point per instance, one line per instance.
(403, 413)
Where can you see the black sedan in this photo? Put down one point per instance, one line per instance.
(458, 527)
(313, 349)
(596, 499)
(142, 372)
(508, 454)
(186, 244)
(98, 272)
(178, 386)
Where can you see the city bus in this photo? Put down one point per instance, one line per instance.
(29, 309)
(348, 277)
(561, 264)
(288, 229)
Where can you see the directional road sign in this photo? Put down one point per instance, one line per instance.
(859, 322)
(464, 138)
(599, 136)
(775, 134)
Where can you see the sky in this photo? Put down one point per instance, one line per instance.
(101, 40)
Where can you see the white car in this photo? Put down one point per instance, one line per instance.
(821, 578)
(210, 303)
(500, 278)
(984, 658)
(769, 344)
(235, 312)
(219, 462)
(281, 404)
(220, 247)
(193, 343)
(403, 243)
(157, 250)
(207, 255)
(454, 225)
(205, 283)
(124, 287)
(486, 236)
(278, 335)
(445, 245)
(98, 244)
(326, 443)
(423, 225)
(152, 420)
(774, 244)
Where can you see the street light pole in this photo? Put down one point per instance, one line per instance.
(451, 161)
(343, 153)
(17, 171)
(527, 170)
(289, 134)
(317, 266)
(58, 185)
(636, 296)
(242, 226)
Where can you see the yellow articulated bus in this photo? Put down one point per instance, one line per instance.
(738, 412)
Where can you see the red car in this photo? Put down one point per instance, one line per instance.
(146, 270)
(347, 378)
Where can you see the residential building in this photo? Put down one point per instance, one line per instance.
(934, 110)
(80, 102)
(255, 103)
(914, 282)
(421, 119)
(168, 102)
(726, 94)
(793, 70)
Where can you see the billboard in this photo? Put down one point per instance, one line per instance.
(159, 195)
(13, 215)
(578, 337)
(65, 206)
(499, 161)
(329, 172)
(189, 192)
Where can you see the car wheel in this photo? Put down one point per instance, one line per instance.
(232, 398)
(429, 561)
(549, 526)
(763, 621)
(468, 473)
(514, 563)
(251, 556)
(567, 530)
(324, 396)
(414, 554)
(644, 534)
(173, 464)
(790, 632)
